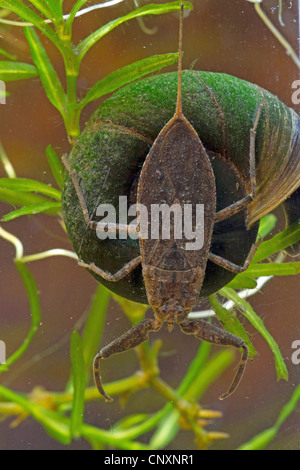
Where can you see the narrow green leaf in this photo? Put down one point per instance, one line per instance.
(48, 75)
(128, 74)
(243, 282)
(232, 324)
(267, 224)
(262, 439)
(42, 6)
(55, 165)
(91, 336)
(52, 10)
(75, 9)
(7, 55)
(152, 9)
(279, 242)
(129, 421)
(12, 71)
(32, 210)
(30, 16)
(195, 367)
(246, 309)
(78, 377)
(19, 198)
(56, 6)
(55, 425)
(168, 427)
(272, 269)
(35, 310)
(32, 292)
(166, 431)
(58, 426)
(209, 374)
(114, 440)
(28, 185)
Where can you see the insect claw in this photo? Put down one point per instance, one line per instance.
(97, 379)
(239, 374)
(107, 398)
(224, 396)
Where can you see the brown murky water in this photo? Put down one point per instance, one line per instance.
(222, 36)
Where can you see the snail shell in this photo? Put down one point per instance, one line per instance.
(109, 155)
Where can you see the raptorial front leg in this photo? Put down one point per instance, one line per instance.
(205, 331)
(131, 339)
(243, 203)
(103, 227)
(120, 228)
(90, 223)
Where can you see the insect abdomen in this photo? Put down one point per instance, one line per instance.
(180, 286)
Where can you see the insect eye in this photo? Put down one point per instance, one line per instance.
(172, 306)
(164, 309)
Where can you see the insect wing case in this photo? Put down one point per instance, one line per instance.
(177, 178)
(110, 153)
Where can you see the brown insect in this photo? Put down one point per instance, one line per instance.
(177, 170)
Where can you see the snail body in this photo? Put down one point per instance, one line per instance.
(110, 153)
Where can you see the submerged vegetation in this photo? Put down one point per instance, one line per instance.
(61, 413)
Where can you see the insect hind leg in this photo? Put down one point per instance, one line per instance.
(208, 332)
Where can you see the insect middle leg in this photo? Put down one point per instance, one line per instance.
(131, 339)
(205, 331)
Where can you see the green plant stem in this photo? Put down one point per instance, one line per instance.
(261, 440)
(72, 65)
(49, 254)
(9, 169)
(55, 400)
(246, 309)
(189, 412)
(136, 382)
